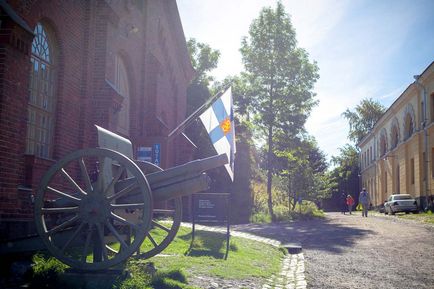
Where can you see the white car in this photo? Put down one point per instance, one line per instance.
(400, 203)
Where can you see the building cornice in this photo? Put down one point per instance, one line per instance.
(391, 110)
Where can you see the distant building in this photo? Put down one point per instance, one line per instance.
(397, 156)
(67, 65)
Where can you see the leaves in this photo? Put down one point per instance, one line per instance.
(363, 118)
(204, 59)
(281, 80)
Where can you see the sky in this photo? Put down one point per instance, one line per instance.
(363, 48)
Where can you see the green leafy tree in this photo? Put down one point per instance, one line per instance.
(281, 78)
(345, 175)
(363, 118)
(204, 59)
(304, 167)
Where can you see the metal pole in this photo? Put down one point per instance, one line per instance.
(425, 120)
(189, 120)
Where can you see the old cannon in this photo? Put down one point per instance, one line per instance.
(95, 207)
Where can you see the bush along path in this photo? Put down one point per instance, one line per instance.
(291, 275)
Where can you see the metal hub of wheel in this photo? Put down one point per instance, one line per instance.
(93, 209)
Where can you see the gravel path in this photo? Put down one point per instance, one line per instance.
(348, 251)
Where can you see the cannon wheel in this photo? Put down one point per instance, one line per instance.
(167, 229)
(78, 211)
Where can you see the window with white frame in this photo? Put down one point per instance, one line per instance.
(41, 105)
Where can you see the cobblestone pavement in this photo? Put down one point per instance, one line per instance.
(291, 275)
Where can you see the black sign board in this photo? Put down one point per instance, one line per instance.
(211, 208)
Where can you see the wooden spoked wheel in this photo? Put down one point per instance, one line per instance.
(93, 209)
(165, 221)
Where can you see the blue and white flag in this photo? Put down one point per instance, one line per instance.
(218, 120)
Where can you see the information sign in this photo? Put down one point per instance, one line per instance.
(211, 208)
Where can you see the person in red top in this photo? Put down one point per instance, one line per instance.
(350, 203)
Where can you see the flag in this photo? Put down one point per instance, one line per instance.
(218, 120)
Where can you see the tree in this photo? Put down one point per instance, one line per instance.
(363, 118)
(304, 167)
(345, 175)
(204, 59)
(281, 78)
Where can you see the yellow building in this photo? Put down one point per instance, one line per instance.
(397, 153)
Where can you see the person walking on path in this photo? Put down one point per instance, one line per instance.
(364, 199)
(350, 203)
(343, 203)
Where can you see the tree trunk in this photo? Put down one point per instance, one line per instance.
(270, 155)
(270, 173)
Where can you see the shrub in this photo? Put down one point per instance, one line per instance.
(306, 211)
(260, 217)
(45, 272)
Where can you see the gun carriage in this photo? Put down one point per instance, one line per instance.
(95, 207)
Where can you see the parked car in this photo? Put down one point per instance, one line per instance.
(381, 208)
(400, 203)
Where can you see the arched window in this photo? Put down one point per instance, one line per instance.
(41, 106)
(394, 134)
(408, 121)
(383, 142)
(122, 86)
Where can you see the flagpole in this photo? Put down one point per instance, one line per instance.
(189, 120)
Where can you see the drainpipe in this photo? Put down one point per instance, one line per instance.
(374, 186)
(424, 123)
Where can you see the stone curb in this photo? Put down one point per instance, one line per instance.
(291, 275)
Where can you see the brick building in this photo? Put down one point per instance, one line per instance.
(67, 65)
(397, 156)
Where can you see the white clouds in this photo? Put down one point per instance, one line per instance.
(314, 20)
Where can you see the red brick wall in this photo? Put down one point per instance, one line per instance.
(88, 35)
(14, 45)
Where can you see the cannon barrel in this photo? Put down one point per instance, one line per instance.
(187, 170)
(178, 181)
(183, 188)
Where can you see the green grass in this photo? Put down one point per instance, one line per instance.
(205, 257)
(164, 279)
(246, 258)
(427, 217)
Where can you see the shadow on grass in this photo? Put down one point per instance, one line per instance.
(318, 234)
(209, 244)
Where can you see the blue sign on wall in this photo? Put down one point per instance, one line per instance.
(156, 154)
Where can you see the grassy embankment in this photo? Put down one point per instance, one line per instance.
(247, 259)
(427, 217)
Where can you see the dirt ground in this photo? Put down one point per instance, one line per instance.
(349, 251)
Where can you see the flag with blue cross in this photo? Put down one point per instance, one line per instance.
(218, 120)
